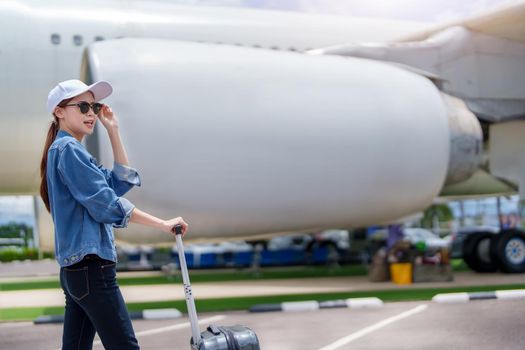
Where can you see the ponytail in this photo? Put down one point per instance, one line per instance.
(51, 135)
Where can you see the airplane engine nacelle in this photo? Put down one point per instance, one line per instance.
(466, 141)
(243, 141)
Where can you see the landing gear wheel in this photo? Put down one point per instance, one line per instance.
(476, 252)
(508, 251)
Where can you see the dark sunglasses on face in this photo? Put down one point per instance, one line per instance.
(84, 106)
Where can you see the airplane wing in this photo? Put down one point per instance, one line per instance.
(480, 60)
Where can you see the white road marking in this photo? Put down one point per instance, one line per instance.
(172, 328)
(351, 337)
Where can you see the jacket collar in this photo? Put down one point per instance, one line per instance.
(62, 133)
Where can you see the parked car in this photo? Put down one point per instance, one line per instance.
(340, 238)
(431, 240)
(329, 246)
(297, 242)
(414, 235)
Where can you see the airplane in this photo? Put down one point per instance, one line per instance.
(249, 123)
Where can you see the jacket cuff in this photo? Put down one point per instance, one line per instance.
(126, 173)
(127, 207)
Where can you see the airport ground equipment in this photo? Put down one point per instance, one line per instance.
(476, 252)
(214, 337)
(486, 251)
(507, 249)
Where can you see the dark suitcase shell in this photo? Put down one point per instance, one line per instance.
(228, 338)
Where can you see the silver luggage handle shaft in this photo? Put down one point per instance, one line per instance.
(190, 302)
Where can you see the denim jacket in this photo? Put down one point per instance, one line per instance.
(85, 200)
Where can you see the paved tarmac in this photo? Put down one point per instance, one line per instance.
(480, 325)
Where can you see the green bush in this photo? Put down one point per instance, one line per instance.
(15, 230)
(10, 254)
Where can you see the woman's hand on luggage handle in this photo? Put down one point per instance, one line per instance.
(169, 225)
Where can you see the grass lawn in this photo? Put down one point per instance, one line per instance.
(243, 303)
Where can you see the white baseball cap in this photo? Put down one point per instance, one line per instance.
(71, 88)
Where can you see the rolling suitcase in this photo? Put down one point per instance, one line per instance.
(213, 338)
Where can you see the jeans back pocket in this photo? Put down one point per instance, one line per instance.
(76, 282)
(109, 273)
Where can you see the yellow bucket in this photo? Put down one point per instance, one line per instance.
(401, 273)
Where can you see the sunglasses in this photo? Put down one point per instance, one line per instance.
(84, 106)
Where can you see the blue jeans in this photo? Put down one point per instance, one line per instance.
(94, 304)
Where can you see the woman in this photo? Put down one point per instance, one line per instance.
(85, 202)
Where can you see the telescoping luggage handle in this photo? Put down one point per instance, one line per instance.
(190, 303)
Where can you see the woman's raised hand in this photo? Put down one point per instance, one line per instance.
(108, 118)
(170, 224)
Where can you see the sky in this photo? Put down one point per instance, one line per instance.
(16, 208)
(20, 208)
(414, 10)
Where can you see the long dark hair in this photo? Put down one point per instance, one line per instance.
(51, 135)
